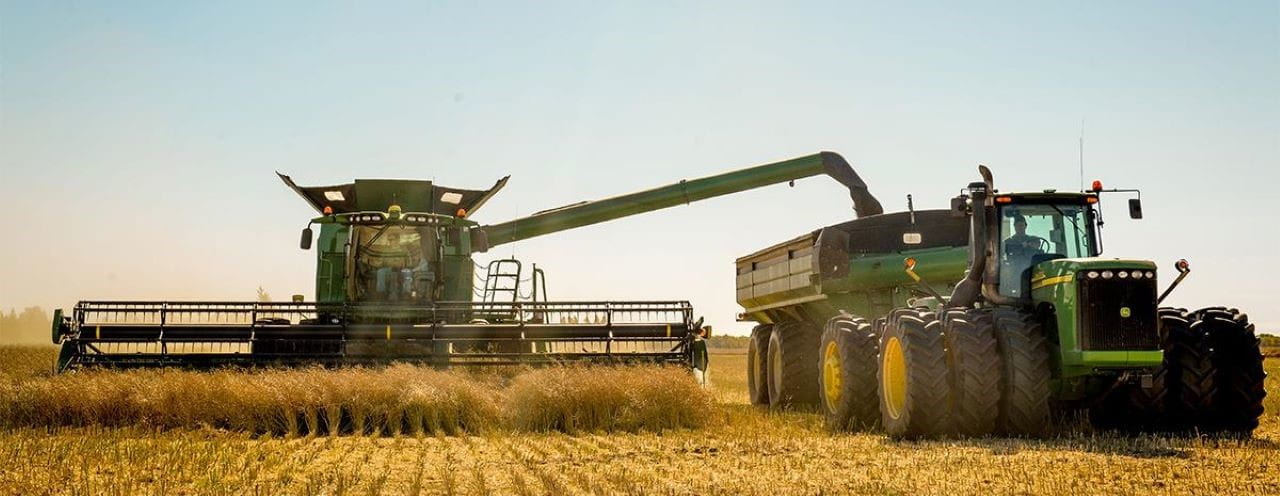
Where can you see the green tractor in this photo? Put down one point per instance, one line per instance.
(988, 319)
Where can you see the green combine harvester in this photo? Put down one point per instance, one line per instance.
(988, 318)
(396, 281)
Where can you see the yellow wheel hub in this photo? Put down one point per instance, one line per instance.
(831, 375)
(893, 367)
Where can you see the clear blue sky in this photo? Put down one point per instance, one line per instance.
(138, 140)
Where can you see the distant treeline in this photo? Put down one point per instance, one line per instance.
(31, 326)
(735, 342)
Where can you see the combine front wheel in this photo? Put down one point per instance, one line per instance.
(757, 364)
(913, 376)
(847, 380)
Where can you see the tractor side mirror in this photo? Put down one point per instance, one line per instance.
(959, 206)
(306, 238)
(1135, 208)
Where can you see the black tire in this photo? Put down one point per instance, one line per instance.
(757, 364)
(912, 376)
(847, 374)
(1024, 399)
(792, 369)
(974, 370)
(1237, 371)
(1187, 370)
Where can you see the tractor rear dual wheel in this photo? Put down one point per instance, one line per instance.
(792, 353)
(1024, 398)
(847, 375)
(757, 364)
(974, 370)
(912, 375)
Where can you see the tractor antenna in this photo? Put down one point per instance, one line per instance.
(1081, 154)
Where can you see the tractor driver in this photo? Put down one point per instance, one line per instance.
(393, 280)
(1021, 244)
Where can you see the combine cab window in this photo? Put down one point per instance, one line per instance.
(394, 263)
(1034, 233)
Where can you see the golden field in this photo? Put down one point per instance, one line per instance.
(738, 450)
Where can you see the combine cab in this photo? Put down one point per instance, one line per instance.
(396, 281)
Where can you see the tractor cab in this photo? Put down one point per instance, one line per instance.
(1036, 228)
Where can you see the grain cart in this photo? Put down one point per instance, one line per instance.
(395, 281)
(985, 318)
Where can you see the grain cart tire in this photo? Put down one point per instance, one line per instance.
(793, 365)
(912, 376)
(757, 364)
(847, 378)
(1187, 370)
(1024, 398)
(974, 370)
(1237, 371)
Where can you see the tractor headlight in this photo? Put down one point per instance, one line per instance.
(1122, 274)
(1137, 274)
(1151, 275)
(1106, 274)
(1093, 274)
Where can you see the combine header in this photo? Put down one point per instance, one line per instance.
(396, 281)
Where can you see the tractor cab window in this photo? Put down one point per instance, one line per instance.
(394, 263)
(1034, 233)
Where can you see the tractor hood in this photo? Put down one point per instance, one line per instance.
(1063, 266)
(366, 195)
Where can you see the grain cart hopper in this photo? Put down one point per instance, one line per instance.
(396, 281)
(986, 317)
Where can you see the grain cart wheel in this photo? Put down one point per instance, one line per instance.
(912, 375)
(1187, 371)
(1024, 398)
(1237, 371)
(974, 370)
(757, 364)
(793, 365)
(847, 381)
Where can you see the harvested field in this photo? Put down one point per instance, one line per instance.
(740, 450)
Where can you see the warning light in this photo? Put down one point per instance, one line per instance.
(909, 263)
(1091, 199)
(1097, 185)
(462, 213)
(1004, 199)
(328, 210)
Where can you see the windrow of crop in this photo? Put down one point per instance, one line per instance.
(394, 400)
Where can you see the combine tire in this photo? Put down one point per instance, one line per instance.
(912, 376)
(1024, 399)
(1237, 371)
(1187, 371)
(974, 371)
(757, 364)
(793, 365)
(847, 381)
